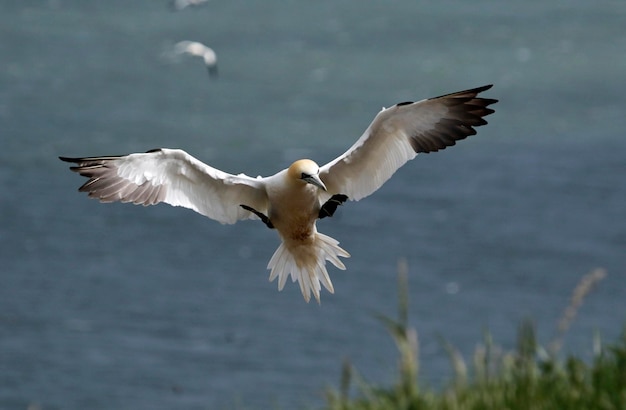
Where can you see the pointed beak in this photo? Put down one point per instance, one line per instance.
(315, 180)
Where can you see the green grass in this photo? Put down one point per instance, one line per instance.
(530, 376)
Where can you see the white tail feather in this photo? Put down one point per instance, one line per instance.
(306, 263)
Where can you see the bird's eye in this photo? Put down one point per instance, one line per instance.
(304, 176)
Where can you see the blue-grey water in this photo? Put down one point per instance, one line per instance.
(114, 306)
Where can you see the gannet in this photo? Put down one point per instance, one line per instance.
(178, 5)
(292, 200)
(197, 49)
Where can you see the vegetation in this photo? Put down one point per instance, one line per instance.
(530, 377)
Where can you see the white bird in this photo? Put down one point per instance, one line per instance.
(197, 49)
(293, 199)
(178, 5)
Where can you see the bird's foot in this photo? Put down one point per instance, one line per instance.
(329, 208)
(261, 215)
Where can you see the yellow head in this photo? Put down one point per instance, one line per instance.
(306, 171)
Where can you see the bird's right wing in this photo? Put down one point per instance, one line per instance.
(174, 177)
(397, 134)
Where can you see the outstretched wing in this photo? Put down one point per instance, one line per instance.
(174, 177)
(398, 134)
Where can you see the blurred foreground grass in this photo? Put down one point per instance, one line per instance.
(529, 377)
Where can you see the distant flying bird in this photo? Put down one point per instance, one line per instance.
(292, 200)
(178, 5)
(197, 49)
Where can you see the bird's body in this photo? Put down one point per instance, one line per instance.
(293, 199)
(294, 207)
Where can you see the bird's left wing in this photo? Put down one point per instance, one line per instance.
(174, 177)
(397, 134)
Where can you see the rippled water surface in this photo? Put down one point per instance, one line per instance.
(119, 306)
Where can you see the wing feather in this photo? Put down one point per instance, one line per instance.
(174, 177)
(397, 134)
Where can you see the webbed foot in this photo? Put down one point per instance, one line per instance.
(329, 208)
(262, 216)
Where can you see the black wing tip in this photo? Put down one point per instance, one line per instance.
(94, 161)
(213, 71)
(467, 111)
(469, 93)
(69, 159)
(478, 90)
(83, 159)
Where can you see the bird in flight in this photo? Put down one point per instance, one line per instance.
(292, 200)
(197, 49)
(178, 5)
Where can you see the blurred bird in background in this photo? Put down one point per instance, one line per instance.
(196, 49)
(178, 5)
